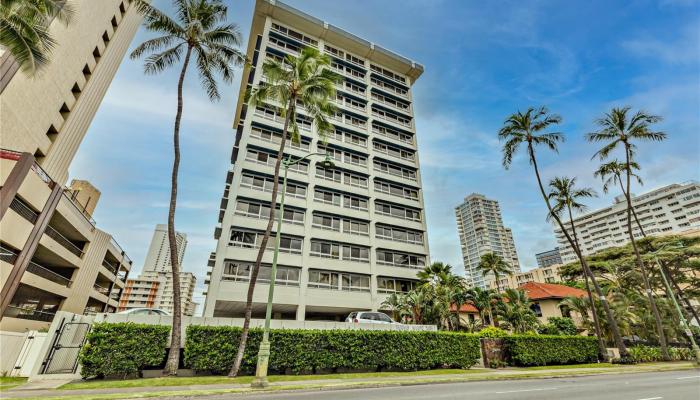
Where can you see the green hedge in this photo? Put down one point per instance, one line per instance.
(527, 350)
(210, 348)
(123, 348)
(651, 354)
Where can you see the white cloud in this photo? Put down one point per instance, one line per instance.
(684, 49)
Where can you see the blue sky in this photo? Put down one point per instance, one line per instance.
(483, 61)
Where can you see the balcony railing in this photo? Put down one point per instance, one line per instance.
(28, 313)
(15, 155)
(23, 210)
(46, 273)
(74, 203)
(110, 267)
(60, 239)
(101, 289)
(7, 255)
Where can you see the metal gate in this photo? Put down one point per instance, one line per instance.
(63, 355)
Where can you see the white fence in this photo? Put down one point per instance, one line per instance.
(19, 351)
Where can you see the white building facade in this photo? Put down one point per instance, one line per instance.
(671, 209)
(352, 234)
(481, 231)
(158, 256)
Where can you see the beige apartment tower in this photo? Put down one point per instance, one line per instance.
(481, 230)
(352, 234)
(52, 256)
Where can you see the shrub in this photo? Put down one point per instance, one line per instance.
(492, 332)
(123, 348)
(527, 350)
(213, 348)
(559, 326)
(642, 353)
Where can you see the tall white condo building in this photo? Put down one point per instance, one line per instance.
(352, 234)
(670, 209)
(158, 257)
(481, 231)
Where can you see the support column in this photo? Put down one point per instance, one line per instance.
(14, 180)
(25, 256)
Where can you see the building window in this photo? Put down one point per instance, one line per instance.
(398, 259)
(240, 272)
(339, 251)
(338, 281)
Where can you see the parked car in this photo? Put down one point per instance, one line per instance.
(145, 311)
(369, 317)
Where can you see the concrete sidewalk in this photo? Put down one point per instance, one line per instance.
(27, 392)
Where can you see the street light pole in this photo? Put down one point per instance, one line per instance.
(684, 322)
(260, 380)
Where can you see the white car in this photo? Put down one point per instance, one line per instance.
(369, 317)
(145, 311)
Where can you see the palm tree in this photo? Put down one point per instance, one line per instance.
(306, 82)
(617, 129)
(24, 30)
(435, 272)
(396, 304)
(524, 128)
(611, 174)
(581, 306)
(493, 264)
(566, 198)
(482, 300)
(516, 311)
(198, 30)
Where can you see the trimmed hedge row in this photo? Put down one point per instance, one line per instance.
(213, 348)
(650, 354)
(123, 348)
(528, 350)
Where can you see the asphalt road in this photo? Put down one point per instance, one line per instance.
(677, 385)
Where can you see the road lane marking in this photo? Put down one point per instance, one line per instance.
(527, 390)
(652, 398)
(689, 377)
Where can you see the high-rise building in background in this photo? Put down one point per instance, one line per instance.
(548, 258)
(352, 234)
(549, 274)
(155, 290)
(158, 257)
(52, 256)
(154, 286)
(671, 209)
(481, 231)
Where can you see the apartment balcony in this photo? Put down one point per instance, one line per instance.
(28, 313)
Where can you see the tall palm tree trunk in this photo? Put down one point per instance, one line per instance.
(634, 213)
(602, 349)
(175, 335)
(640, 264)
(614, 328)
(688, 306)
(263, 245)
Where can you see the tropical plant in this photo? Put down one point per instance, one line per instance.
(198, 29)
(618, 129)
(566, 199)
(482, 300)
(434, 273)
(611, 173)
(493, 264)
(525, 128)
(516, 311)
(303, 82)
(24, 30)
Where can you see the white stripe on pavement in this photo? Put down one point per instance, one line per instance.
(527, 390)
(652, 398)
(689, 377)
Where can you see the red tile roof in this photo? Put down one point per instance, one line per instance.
(465, 308)
(541, 291)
